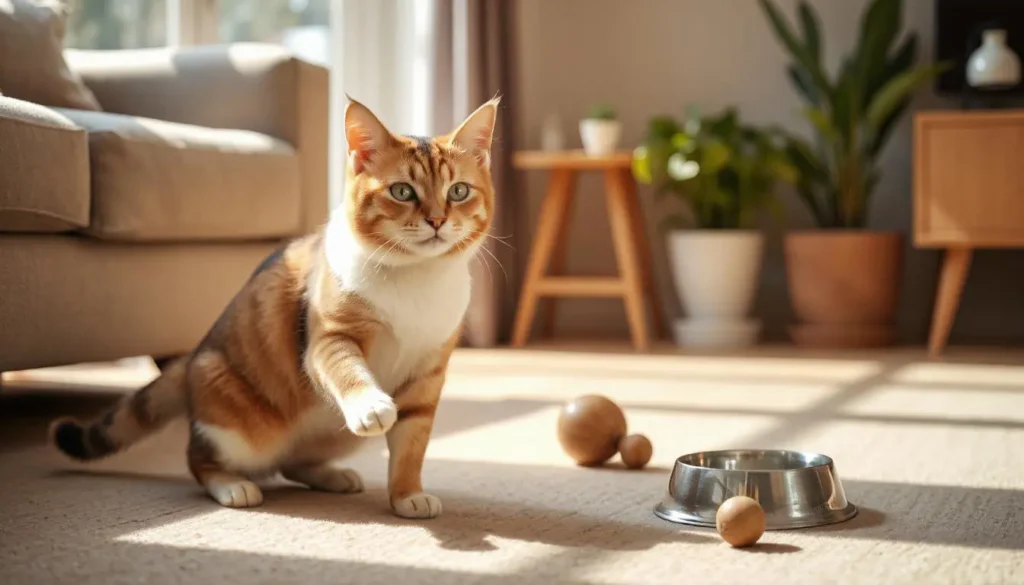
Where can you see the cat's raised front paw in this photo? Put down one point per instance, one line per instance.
(370, 413)
(418, 505)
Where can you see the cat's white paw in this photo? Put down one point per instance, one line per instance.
(370, 413)
(235, 493)
(419, 505)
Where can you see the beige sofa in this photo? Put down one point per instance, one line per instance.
(124, 232)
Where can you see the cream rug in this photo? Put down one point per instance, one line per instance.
(933, 453)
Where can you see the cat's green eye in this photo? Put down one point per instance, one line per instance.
(403, 192)
(458, 192)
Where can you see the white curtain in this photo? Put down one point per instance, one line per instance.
(381, 50)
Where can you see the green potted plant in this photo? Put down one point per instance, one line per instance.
(845, 278)
(724, 173)
(600, 130)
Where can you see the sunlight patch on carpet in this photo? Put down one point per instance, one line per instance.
(967, 375)
(772, 395)
(412, 545)
(942, 405)
(532, 438)
(669, 367)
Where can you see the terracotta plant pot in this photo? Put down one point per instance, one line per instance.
(844, 286)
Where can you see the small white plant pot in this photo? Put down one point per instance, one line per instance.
(600, 137)
(993, 64)
(716, 274)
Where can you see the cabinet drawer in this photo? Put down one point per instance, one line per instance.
(969, 178)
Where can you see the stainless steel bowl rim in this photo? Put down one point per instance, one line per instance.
(826, 460)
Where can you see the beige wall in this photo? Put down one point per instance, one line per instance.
(656, 56)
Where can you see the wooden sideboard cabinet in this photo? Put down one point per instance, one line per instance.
(968, 194)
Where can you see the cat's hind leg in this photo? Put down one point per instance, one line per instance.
(235, 431)
(326, 477)
(316, 463)
(227, 488)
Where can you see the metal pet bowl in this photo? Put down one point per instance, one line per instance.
(795, 489)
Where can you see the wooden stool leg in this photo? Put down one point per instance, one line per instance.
(646, 259)
(627, 255)
(955, 266)
(552, 210)
(558, 259)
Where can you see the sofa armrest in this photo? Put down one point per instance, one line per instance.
(245, 86)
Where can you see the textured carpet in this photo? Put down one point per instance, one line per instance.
(933, 453)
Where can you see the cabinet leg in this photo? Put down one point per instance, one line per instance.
(955, 266)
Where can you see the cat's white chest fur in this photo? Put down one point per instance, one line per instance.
(422, 305)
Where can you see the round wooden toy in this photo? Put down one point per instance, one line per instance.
(636, 451)
(740, 521)
(590, 428)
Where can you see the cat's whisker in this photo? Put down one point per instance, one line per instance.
(489, 273)
(374, 253)
(496, 260)
(498, 239)
(398, 242)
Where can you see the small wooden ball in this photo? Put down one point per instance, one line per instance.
(740, 521)
(590, 428)
(636, 451)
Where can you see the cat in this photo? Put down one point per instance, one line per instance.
(342, 334)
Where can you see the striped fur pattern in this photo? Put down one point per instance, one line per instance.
(341, 335)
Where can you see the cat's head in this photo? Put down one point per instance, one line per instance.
(410, 199)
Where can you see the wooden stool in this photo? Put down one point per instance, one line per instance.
(632, 251)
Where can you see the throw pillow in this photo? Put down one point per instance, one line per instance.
(32, 65)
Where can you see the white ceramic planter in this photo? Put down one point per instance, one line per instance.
(993, 64)
(600, 137)
(716, 274)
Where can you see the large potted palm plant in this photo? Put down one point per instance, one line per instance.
(723, 173)
(844, 277)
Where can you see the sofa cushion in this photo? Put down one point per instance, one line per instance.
(44, 170)
(162, 181)
(32, 64)
(68, 300)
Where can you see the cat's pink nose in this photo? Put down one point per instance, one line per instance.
(437, 222)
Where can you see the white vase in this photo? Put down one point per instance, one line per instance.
(551, 138)
(993, 64)
(716, 274)
(600, 137)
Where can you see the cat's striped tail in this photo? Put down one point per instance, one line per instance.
(136, 416)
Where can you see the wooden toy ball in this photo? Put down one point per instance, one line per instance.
(740, 521)
(636, 451)
(592, 429)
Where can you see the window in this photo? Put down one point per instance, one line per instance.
(116, 24)
(303, 26)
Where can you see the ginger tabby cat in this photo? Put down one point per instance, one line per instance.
(343, 334)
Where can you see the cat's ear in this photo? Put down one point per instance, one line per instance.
(364, 133)
(476, 132)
